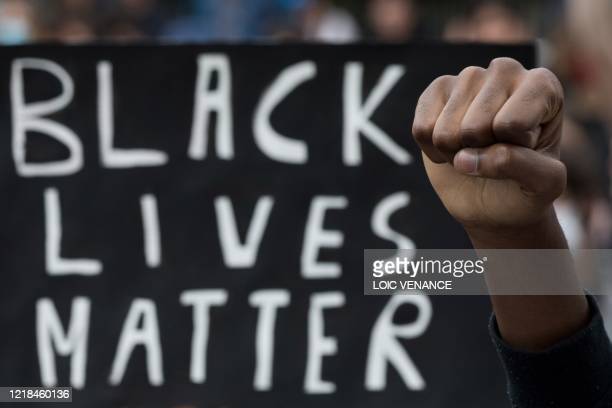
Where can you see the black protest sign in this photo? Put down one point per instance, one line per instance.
(185, 225)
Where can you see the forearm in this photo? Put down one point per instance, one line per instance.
(532, 322)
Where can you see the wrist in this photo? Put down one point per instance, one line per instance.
(533, 322)
(546, 233)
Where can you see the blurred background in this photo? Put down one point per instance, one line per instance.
(573, 38)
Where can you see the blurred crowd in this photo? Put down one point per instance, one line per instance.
(574, 38)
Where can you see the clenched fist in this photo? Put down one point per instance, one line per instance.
(490, 140)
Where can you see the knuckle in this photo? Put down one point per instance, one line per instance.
(547, 83)
(502, 158)
(442, 83)
(473, 132)
(422, 131)
(444, 139)
(508, 126)
(444, 80)
(471, 72)
(439, 87)
(504, 65)
(545, 78)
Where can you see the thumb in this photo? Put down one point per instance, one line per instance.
(535, 172)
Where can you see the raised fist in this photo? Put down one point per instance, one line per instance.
(490, 140)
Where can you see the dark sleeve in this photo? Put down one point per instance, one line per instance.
(577, 372)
